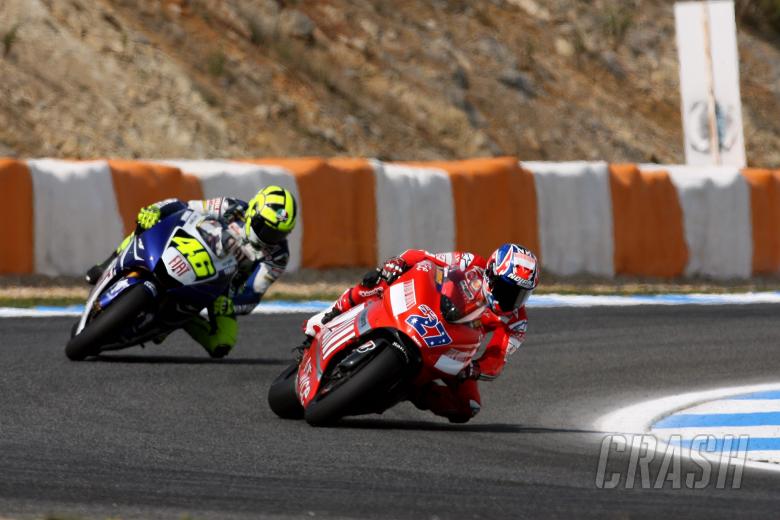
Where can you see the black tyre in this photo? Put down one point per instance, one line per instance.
(282, 397)
(106, 325)
(374, 379)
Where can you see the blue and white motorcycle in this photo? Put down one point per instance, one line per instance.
(158, 282)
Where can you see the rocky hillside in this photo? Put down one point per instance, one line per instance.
(397, 79)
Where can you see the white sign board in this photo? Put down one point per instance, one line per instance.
(709, 83)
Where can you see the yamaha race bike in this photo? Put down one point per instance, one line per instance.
(158, 282)
(380, 352)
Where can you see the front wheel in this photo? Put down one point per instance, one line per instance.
(372, 380)
(282, 397)
(105, 327)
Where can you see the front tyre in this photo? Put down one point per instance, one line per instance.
(282, 397)
(372, 380)
(106, 326)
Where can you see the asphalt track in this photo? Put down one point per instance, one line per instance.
(165, 432)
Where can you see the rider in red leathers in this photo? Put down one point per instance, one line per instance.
(499, 289)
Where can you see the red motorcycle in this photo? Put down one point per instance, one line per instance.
(421, 328)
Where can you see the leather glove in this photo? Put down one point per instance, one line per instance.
(234, 243)
(148, 217)
(470, 371)
(371, 278)
(234, 213)
(393, 268)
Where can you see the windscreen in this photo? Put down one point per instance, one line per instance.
(458, 294)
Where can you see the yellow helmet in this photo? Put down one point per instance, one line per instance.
(270, 216)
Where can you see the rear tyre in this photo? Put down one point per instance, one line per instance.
(372, 380)
(106, 325)
(282, 397)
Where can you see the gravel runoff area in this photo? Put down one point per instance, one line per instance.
(310, 284)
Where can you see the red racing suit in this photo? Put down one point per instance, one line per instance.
(454, 397)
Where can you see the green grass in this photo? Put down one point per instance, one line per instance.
(36, 301)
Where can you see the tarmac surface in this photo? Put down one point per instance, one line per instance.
(166, 432)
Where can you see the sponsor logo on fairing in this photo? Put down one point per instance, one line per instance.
(304, 382)
(363, 325)
(178, 265)
(118, 287)
(366, 347)
(214, 205)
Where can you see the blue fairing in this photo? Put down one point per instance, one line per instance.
(116, 289)
(147, 248)
(145, 252)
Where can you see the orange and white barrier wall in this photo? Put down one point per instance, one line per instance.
(581, 217)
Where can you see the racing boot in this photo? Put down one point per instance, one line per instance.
(157, 340)
(298, 351)
(218, 334)
(96, 271)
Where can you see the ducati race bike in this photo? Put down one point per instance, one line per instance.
(158, 282)
(382, 351)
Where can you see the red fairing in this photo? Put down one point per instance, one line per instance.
(411, 305)
(509, 330)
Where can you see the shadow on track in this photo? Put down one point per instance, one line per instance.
(392, 424)
(185, 360)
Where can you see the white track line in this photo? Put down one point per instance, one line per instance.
(736, 406)
(688, 433)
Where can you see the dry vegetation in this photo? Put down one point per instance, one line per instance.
(392, 79)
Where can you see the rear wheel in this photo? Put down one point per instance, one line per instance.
(282, 397)
(372, 380)
(106, 326)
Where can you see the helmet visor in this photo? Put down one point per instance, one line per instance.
(265, 233)
(508, 295)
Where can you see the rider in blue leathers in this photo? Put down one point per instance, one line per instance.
(255, 232)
